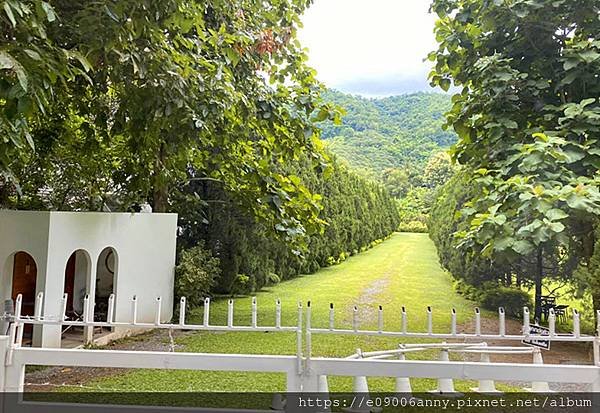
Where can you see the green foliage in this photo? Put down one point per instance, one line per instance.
(511, 299)
(358, 213)
(399, 132)
(33, 70)
(492, 296)
(172, 93)
(195, 274)
(242, 285)
(446, 219)
(413, 226)
(527, 121)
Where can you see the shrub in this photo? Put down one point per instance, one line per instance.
(242, 285)
(195, 274)
(512, 299)
(273, 279)
(491, 296)
(413, 226)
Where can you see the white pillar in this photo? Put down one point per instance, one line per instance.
(539, 386)
(485, 386)
(403, 383)
(445, 386)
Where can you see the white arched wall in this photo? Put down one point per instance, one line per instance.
(28, 232)
(81, 279)
(145, 245)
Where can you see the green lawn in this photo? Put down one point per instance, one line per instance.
(403, 270)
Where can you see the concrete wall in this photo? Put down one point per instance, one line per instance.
(144, 246)
(23, 231)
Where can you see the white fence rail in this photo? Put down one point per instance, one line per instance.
(453, 334)
(305, 373)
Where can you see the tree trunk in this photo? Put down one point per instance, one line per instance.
(539, 276)
(160, 190)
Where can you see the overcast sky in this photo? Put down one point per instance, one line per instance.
(370, 47)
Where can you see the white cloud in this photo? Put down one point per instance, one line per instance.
(354, 42)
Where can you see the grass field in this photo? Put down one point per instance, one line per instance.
(403, 270)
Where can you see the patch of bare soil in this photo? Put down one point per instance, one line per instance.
(368, 300)
(52, 378)
(559, 353)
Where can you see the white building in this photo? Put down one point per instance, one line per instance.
(81, 253)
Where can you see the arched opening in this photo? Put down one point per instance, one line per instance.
(24, 280)
(76, 284)
(106, 277)
(77, 274)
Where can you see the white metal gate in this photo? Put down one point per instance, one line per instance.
(305, 373)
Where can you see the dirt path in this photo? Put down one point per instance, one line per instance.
(52, 378)
(370, 298)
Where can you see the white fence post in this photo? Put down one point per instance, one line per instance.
(445, 385)
(453, 322)
(206, 312)
(552, 322)
(576, 324)
(429, 321)
(477, 321)
(110, 314)
(254, 313)
(331, 317)
(39, 305)
(501, 321)
(278, 313)
(4, 345)
(158, 310)
(182, 304)
(526, 325)
(63, 307)
(134, 310)
(360, 382)
(402, 383)
(230, 313)
(539, 386)
(485, 386)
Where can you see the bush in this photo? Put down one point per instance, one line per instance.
(512, 299)
(468, 291)
(413, 226)
(491, 296)
(195, 274)
(243, 285)
(273, 279)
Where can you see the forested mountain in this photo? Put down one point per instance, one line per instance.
(393, 132)
(398, 141)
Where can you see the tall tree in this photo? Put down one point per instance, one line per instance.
(33, 71)
(526, 67)
(190, 90)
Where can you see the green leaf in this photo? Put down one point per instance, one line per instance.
(523, 247)
(6, 61)
(556, 214)
(556, 227)
(504, 243)
(9, 13)
(589, 55)
(81, 59)
(49, 11)
(570, 64)
(445, 84)
(33, 54)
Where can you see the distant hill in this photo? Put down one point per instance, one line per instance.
(393, 132)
